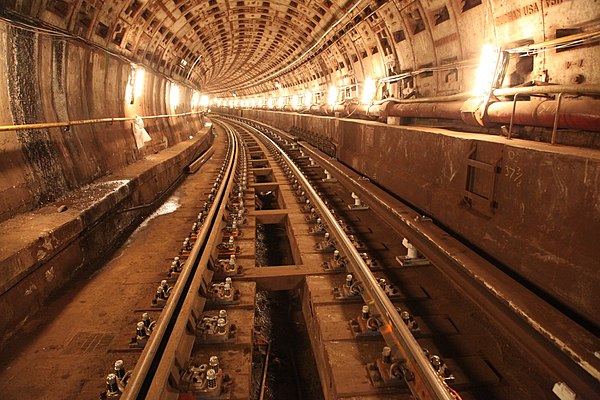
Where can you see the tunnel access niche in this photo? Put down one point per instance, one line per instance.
(275, 243)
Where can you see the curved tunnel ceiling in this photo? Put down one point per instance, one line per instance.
(246, 47)
(216, 45)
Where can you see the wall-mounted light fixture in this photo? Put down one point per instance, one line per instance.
(307, 98)
(332, 96)
(369, 91)
(204, 100)
(174, 96)
(486, 72)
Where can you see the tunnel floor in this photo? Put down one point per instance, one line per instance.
(66, 342)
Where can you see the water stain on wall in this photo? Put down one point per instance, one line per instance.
(46, 180)
(80, 165)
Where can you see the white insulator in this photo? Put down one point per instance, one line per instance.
(412, 251)
(357, 202)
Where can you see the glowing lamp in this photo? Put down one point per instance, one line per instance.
(486, 71)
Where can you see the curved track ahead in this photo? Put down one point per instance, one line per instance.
(168, 340)
(159, 372)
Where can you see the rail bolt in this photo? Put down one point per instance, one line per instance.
(349, 280)
(436, 362)
(221, 323)
(146, 319)
(382, 283)
(386, 355)
(165, 286)
(365, 312)
(111, 385)
(140, 330)
(119, 369)
(214, 363)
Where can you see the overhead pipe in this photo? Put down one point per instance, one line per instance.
(572, 113)
(368, 111)
(443, 110)
(575, 39)
(579, 114)
(451, 97)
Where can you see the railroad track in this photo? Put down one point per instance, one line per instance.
(562, 348)
(169, 341)
(205, 334)
(415, 368)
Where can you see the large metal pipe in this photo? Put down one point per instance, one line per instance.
(583, 114)
(443, 110)
(574, 113)
(372, 111)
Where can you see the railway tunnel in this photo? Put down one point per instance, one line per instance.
(299, 199)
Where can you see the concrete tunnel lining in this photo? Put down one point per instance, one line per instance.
(74, 60)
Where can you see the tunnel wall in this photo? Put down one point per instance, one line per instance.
(46, 251)
(46, 79)
(546, 222)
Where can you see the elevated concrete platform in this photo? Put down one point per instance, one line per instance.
(530, 206)
(43, 249)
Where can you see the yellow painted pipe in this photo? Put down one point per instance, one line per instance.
(44, 125)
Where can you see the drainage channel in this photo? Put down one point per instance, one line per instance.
(272, 245)
(291, 371)
(286, 368)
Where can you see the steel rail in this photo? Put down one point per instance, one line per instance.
(421, 378)
(487, 289)
(476, 279)
(146, 366)
(181, 342)
(183, 337)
